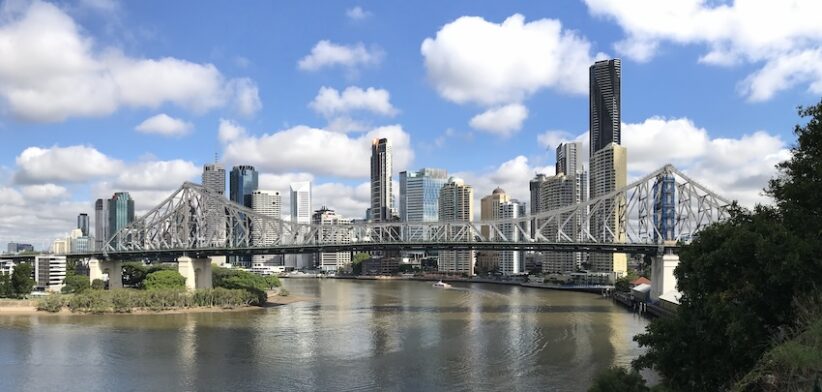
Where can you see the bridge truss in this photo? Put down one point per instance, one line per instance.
(664, 205)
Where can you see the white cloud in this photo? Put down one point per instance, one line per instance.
(328, 54)
(44, 192)
(282, 183)
(346, 124)
(785, 37)
(357, 14)
(163, 124)
(330, 102)
(11, 197)
(318, 151)
(503, 121)
(51, 70)
(246, 97)
(229, 130)
(63, 164)
(349, 201)
(552, 138)
(657, 141)
(157, 175)
(473, 60)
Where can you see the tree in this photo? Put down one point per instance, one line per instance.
(164, 279)
(6, 289)
(237, 279)
(134, 273)
(273, 281)
(617, 379)
(356, 262)
(740, 278)
(21, 281)
(76, 284)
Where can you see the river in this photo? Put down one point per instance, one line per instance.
(353, 336)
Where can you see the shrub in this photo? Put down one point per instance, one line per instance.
(617, 379)
(164, 279)
(236, 279)
(76, 284)
(284, 292)
(98, 284)
(51, 303)
(124, 300)
(91, 301)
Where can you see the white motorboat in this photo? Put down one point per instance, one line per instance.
(442, 285)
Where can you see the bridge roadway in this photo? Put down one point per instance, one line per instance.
(631, 248)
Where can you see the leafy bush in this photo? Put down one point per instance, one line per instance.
(76, 284)
(21, 281)
(237, 279)
(98, 284)
(122, 300)
(617, 379)
(164, 279)
(91, 301)
(127, 300)
(51, 303)
(284, 293)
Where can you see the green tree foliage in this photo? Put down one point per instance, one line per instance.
(617, 379)
(76, 284)
(51, 303)
(98, 284)
(6, 289)
(164, 279)
(134, 273)
(272, 281)
(739, 279)
(356, 263)
(236, 279)
(128, 300)
(21, 281)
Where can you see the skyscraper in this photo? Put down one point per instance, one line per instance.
(420, 193)
(605, 104)
(214, 178)
(267, 204)
(331, 261)
(120, 212)
(381, 168)
(608, 161)
(244, 180)
(512, 262)
(101, 232)
(456, 204)
(569, 158)
(82, 223)
(300, 213)
(489, 260)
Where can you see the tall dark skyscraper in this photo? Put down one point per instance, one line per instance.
(605, 104)
(101, 232)
(244, 180)
(120, 212)
(381, 196)
(82, 223)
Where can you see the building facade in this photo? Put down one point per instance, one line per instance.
(664, 194)
(456, 204)
(101, 232)
(489, 260)
(17, 247)
(331, 261)
(605, 104)
(83, 223)
(120, 212)
(243, 180)
(420, 193)
(512, 262)
(300, 213)
(49, 272)
(381, 168)
(213, 178)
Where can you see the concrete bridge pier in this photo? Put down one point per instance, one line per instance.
(113, 268)
(197, 272)
(662, 274)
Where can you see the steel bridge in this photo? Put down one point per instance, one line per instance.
(196, 222)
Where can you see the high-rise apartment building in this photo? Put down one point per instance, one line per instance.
(243, 180)
(608, 160)
(49, 272)
(381, 169)
(512, 262)
(268, 204)
(83, 223)
(456, 204)
(605, 104)
(101, 231)
(120, 212)
(331, 261)
(489, 260)
(214, 178)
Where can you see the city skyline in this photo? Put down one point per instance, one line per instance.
(67, 158)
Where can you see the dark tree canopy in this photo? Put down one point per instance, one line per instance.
(21, 281)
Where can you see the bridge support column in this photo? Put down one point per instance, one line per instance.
(197, 272)
(662, 275)
(113, 268)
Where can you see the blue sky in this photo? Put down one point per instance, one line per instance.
(713, 90)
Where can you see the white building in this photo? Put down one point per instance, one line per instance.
(512, 262)
(49, 272)
(328, 261)
(609, 172)
(456, 204)
(300, 213)
(6, 267)
(267, 204)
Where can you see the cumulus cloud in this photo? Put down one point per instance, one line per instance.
(163, 124)
(330, 102)
(552, 138)
(229, 130)
(44, 192)
(246, 97)
(63, 164)
(282, 182)
(357, 14)
(51, 70)
(474, 60)
(157, 175)
(318, 151)
(503, 121)
(785, 38)
(327, 54)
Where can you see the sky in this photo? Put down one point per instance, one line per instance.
(98, 96)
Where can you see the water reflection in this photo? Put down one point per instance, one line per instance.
(355, 336)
